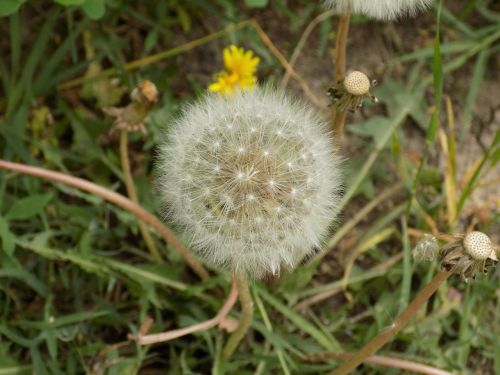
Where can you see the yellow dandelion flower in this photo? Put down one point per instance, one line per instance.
(240, 71)
(236, 60)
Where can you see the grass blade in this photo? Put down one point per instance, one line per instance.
(299, 321)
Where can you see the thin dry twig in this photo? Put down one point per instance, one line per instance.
(117, 199)
(302, 41)
(379, 360)
(276, 52)
(440, 236)
(143, 339)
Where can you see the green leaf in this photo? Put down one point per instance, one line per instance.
(256, 3)
(8, 7)
(28, 207)
(38, 362)
(6, 236)
(374, 127)
(94, 9)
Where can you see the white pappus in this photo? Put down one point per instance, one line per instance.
(252, 180)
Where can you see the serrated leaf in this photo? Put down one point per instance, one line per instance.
(28, 207)
(7, 7)
(6, 236)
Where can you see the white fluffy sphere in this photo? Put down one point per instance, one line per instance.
(252, 180)
(380, 9)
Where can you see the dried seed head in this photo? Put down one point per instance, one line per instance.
(357, 83)
(471, 254)
(145, 93)
(350, 92)
(426, 249)
(252, 179)
(478, 245)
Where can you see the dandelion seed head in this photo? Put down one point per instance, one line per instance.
(357, 83)
(269, 205)
(478, 245)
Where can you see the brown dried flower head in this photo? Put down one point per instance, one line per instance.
(132, 117)
(469, 255)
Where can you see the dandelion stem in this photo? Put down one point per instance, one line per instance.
(246, 315)
(399, 323)
(117, 199)
(144, 339)
(338, 117)
(132, 193)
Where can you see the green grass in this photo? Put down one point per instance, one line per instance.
(75, 275)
